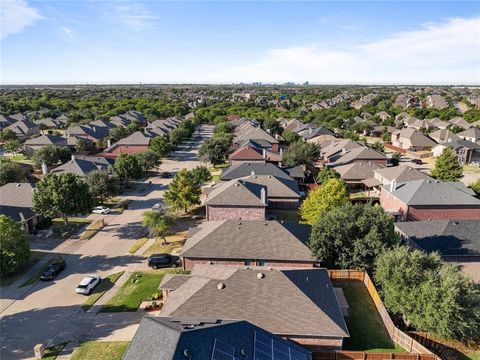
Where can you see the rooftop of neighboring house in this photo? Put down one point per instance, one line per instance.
(16, 201)
(247, 153)
(448, 237)
(357, 171)
(22, 127)
(96, 132)
(137, 138)
(443, 135)
(49, 122)
(254, 133)
(242, 170)
(46, 140)
(416, 137)
(460, 143)
(472, 132)
(401, 174)
(166, 338)
(433, 193)
(459, 121)
(439, 123)
(317, 131)
(249, 239)
(362, 153)
(103, 123)
(263, 297)
(277, 187)
(81, 166)
(237, 193)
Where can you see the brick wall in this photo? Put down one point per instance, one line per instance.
(391, 204)
(188, 263)
(439, 213)
(235, 213)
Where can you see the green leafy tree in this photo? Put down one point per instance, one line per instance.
(117, 133)
(396, 158)
(12, 146)
(301, 153)
(7, 134)
(290, 136)
(475, 187)
(176, 136)
(62, 195)
(351, 236)
(83, 146)
(223, 127)
(200, 175)
(428, 293)
(51, 155)
(327, 173)
(14, 246)
(100, 185)
(378, 145)
(161, 145)
(127, 167)
(447, 166)
(183, 193)
(332, 194)
(148, 160)
(272, 125)
(215, 150)
(10, 171)
(158, 224)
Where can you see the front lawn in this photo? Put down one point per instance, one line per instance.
(367, 332)
(173, 242)
(92, 230)
(137, 245)
(100, 350)
(105, 285)
(74, 225)
(34, 257)
(136, 289)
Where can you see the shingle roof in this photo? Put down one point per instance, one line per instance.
(402, 174)
(236, 193)
(473, 132)
(254, 240)
(81, 166)
(434, 193)
(16, 201)
(245, 169)
(47, 140)
(246, 153)
(166, 338)
(450, 238)
(277, 187)
(254, 133)
(417, 138)
(284, 302)
(358, 153)
(357, 171)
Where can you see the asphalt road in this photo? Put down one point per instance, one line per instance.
(44, 310)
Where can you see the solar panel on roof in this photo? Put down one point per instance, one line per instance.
(223, 351)
(267, 348)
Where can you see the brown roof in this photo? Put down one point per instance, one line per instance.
(236, 193)
(246, 153)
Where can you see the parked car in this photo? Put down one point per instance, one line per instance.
(156, 261)
(157, 207)
(87, 285)
(53, 270)
(101, 210)
(417, 161)
(166, 175)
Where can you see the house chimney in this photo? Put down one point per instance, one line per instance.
(252, 172)
(109, 143)
(393, 185)
(263, 195)
(264, 153)
(344, 151)
(44, 169)
(73, 157)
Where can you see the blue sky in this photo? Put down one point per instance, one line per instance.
(96, 41)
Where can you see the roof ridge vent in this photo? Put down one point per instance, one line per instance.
(220, 286)
(260, 275)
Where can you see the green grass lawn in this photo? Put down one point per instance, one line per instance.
(73, 226)
(367, 332)
(100, 350)
(106, 284)
(473, 355)
(52, 352)
(173, 241)
(92, 230)
(34, 257)
(137, 245)
(136, 289)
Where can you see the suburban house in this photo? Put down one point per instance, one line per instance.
(166, 338)
(436, 101)
(24, 129)
(32, 145)
(49, 123)
(249, 132)
(16, 203)
(82, 165)
(242, 170)
(399, 174)
(429, 200)
(472, 134)
(90, 132)
(253, 154)
(456, 240)
(318, 134)
(361, 154)
(439, 124)
(263, 297)
(411, 139)
(466, 151)
(460, 122)
(6, 121)
(248, 242)
(355, 174)
(443, 136)
(132, 144)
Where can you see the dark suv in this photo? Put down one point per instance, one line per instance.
(156, 261)
(53, 270)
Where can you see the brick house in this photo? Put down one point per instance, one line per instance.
(249, 132)
(253, 243)
(133, 144)
(466, 151)
(411, 139)
(422, 200)
(16, 202)
(246, 154)
(264, 297)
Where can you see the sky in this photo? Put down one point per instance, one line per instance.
(336, 42)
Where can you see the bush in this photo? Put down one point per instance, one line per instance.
(14, 246)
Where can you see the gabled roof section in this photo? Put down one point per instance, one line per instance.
(245, 169)
(402, 174)
(276, 186)
(47, 140)
(246, 153)
(357, 171)
(237, 193)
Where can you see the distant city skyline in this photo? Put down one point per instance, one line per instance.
(224, 42)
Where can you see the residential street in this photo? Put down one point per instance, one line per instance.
(38, 314)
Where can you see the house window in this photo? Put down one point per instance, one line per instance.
(261, 262)
(248, 262)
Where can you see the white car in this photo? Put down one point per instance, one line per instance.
(101, 210)
(87, 285)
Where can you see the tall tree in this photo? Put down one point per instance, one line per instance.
(100, 185)
(7, 134)
(215, 150)
(333, 193)
(428, 293)
(10, 171)
(290, 136)
(127, 167)
(272, 125)
(447, 167)
(12, 146)
(148, 160)
(352, 236)
(62, 195)
(158, 224)
(161, 145)
(200, 175)
(82, 146)
(14, 246)
(327, 173)
(183, 192)
(50, 155)
(301, 153)
(176, 136)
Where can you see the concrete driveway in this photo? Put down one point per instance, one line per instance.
(41, 312)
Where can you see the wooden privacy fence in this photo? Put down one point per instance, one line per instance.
(398, 336)
(361, 355)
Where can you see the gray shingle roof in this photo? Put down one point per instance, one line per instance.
(277, 187)
(402, 174)
(284, 302)
(47, 140)
(249, 240)
(357, 171)
(241, 170)
(16, 201)
(236, 193)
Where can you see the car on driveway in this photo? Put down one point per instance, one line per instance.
(157, 261)
(87, 284)
(53, 270)
(417, 161)
(101, 210)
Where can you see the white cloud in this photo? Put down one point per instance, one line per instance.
(447, 52)
(66, 33)
(16, 15)
(135, 16)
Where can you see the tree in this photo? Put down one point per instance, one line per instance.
(301, 153)
(161, 145)
(62, 195)
(100, 185)
(396, 156)
(200, 175)
(475, 187)
(117, 133)
(50, 155)
(290, 136)
(176, 136)
(223, 127)
(214, 150)
(183, 192)
(14, 246)
(447, 166)
(326, 174)
(272, 125)
(148, 160)
(378, 145)
(351, 236)
(82, 146)
(7, 134)
(10, 171)
(127, 167)
(333, 193)
(12, 146)
(158, 224)
(429, 293)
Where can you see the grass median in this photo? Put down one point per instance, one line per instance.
(100, 350)
(105, 285)
(137, 245)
